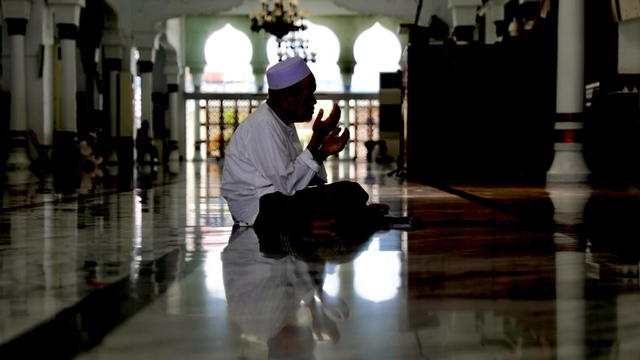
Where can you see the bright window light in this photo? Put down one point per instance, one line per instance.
(376, 50)
(324, 42)
(377, 273)
(228, 54)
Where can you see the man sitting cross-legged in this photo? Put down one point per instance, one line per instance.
(268, 176)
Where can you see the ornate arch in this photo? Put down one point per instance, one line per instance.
(376, 50)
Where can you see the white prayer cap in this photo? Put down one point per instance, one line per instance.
(287, 73)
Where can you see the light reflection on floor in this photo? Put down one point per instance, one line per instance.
(497, 273)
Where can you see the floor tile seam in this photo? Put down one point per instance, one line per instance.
(489, 203)
(493, 204)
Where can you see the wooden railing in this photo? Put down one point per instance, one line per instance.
(221, 113)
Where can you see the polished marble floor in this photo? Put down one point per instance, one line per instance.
(148, 266)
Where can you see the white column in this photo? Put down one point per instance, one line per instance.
(494, 11)
(182, 117)
(346, 112)
(113, 49)
(464, 18)
(628, 47)
(173, 103)
(113, 73)
(113, 110)
(69, 86)
(172, 73)
(197, 155)
(174, 123)
(147, 104)
(16, 13)
(146, 44)
(346, 79)
(568, 164)
(67, 18)
(39, 65)
(18, 93)
(127, 124)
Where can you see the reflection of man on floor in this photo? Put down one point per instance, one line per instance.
(279, 299)
(268, 177)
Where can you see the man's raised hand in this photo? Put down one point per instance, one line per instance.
(324, 127)
(333, 144)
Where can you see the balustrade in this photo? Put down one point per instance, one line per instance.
(225, 111)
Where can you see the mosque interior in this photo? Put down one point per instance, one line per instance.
(508, 130)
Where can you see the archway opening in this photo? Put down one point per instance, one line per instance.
(325, 44)
(376, 50)
(228, 54)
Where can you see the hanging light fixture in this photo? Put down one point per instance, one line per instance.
(284, 22)
(295, 45)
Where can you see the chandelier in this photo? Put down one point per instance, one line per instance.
(294, 45)
(280, 21)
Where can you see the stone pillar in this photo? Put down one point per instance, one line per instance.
(126, 154)
(346, 121)
(113, 54)
(68, 34)
(172, 72)
(5, 102)
(16, 13)
(494, 21)
(182, 116)
(145, 68)
(259, 70)
(628, 51)
(197, 80)
(569, 165)
(347, 60)
(174, 123)
(67, 19)
(347, 65)
(146, 45)
(464, 18)
(346, 71)
(39, 74)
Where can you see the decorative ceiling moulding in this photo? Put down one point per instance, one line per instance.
(314, 7)
(399, 8)
(146, 14)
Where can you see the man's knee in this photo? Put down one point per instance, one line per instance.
(351, 191)
(270, 208)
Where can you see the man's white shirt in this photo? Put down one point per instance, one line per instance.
(264, 156)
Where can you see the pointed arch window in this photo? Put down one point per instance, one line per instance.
(228, 54)
(324, 42)
(376, 50)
